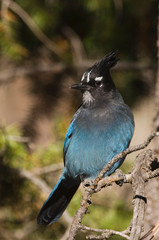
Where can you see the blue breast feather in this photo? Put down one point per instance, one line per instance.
(92, 141)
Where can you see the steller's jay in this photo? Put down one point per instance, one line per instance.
(100, 129)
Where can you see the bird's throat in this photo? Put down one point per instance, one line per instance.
(88, 99)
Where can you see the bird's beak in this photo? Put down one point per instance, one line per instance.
(80, 86)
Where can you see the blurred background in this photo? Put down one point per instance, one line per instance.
(45, 46)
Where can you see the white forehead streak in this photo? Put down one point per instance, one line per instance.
(98, 78)
(88, 75)
(83, 76)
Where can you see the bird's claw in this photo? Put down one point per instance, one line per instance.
(121, 176)
(87, 182)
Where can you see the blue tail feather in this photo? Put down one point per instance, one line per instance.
(58, 200)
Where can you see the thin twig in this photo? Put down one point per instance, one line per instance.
(34, 28)
(152, 232)
(42, 186)
(4, 9)
(26, 230)
(48, 169)
(77, 46)
(19, 139)
(8, 75)
(66, 234)
(105, 231)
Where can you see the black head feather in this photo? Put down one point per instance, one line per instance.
(108, 61)
(99, 75)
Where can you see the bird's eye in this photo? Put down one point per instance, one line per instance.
(97, 83)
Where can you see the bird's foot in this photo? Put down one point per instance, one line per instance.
(87, 183)
(121, 177)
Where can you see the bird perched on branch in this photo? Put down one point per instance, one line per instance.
(100, 129)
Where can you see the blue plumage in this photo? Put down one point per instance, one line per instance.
(95, 141)
(101, 128)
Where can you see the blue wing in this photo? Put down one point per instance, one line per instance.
(69, 134)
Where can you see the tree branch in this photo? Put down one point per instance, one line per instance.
(78, 49)
(48, 169)
(8, 75)
(105, 233)
(139, 199)
(156, 118)
(147, 157)
(153, 231)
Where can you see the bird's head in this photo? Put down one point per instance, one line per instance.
(97, 81)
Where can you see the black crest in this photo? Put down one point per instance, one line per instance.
(108, 61)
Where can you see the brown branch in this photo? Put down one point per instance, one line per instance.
(66, 234)
(45, 188)
(139, 199)
(87, 196)
(156, 118)
(37, 181)
(105, 233)
(19, 139)
(47, 169)
(34, 28)
(8, 75)
(152, 232)
(116, 177)
(4, 9)
(77, 46)
(118, 4)
(26, 230)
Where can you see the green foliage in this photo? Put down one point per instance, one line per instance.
(15, 151)
(17, 155)
(101, 25)
(52, 154)
(9, 44)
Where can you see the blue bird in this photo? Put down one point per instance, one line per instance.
(100, 129)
